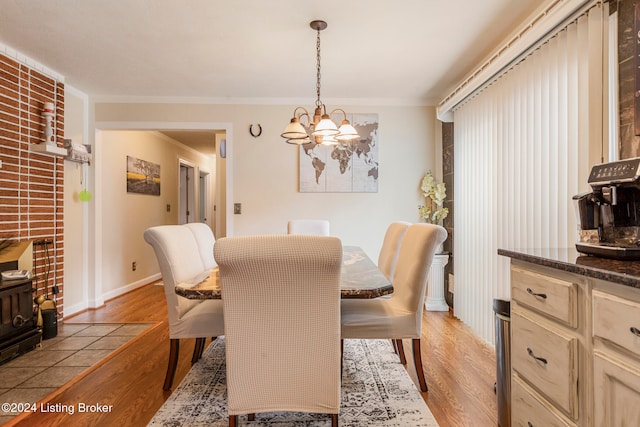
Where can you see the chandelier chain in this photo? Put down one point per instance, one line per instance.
(318, 102)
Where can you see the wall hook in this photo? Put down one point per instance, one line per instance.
(253, 134)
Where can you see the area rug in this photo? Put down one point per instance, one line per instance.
(376, 391)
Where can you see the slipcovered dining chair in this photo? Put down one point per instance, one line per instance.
(179, 257)
(389, 252)
(312, 227)
(205, 240)
(400, 316)
(281, 296)
(387, 259)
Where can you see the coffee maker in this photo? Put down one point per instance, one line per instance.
(609, 216)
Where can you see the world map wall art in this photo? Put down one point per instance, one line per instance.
(351, 167)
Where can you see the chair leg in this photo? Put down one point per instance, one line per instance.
(417, 359)
(251, 417)
(341, 356)
(233, 420)
(198, 348)
(400, 347)
(334, 420)
(174, 350)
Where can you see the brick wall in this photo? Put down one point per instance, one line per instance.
(32, 184)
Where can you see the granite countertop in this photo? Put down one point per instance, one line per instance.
(569, 259)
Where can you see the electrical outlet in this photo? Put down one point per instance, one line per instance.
(134, 266)
(450, 282)
(237, 208)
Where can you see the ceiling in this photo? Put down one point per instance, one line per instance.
(374, 52)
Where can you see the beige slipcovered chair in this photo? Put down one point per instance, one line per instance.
(281, 297)
(179, 257)
(399, 316)
(312, 227)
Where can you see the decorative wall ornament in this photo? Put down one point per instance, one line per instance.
(143, 177)
(257, 133)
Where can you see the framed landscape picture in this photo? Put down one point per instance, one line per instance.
(143, 177)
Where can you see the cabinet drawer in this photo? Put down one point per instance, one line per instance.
(616, 393)
(548, 360)
(617, 320)
(527, 410)
(548, 295)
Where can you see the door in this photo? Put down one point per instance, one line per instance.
(204, 203)
(187, 193)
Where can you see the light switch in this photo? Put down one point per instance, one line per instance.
(237, 208)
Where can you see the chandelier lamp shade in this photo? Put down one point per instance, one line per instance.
(322, 128)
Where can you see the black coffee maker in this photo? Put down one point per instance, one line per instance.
(609, 216)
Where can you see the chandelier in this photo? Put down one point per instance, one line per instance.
(322, 128)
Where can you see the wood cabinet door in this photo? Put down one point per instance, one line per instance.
(616, 394)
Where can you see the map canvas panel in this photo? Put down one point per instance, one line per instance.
(345, 168)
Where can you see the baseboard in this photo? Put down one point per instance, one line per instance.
(130, 287)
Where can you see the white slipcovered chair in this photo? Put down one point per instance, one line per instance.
(400, 316)
(205, 240)
(180, 258)
(387, 259)
(312, 227)
(281, 296)
(389, 252)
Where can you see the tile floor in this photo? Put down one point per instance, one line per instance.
(33, 375)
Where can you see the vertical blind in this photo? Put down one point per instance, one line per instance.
(523, 147)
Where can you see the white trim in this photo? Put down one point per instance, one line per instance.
(331, 102)
(131, 286)
(533, 31)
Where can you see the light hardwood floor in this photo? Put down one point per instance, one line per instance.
(459, 369)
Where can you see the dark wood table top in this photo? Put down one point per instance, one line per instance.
(361, 278)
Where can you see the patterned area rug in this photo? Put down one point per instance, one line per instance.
(376, 391)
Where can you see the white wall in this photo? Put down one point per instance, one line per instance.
(265, 169)
(75, 211)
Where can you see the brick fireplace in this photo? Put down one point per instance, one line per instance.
(32, 183)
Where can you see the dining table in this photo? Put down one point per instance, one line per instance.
(360, 278)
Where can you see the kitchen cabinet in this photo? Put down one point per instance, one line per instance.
(575, 334)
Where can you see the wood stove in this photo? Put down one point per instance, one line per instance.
(18, 332)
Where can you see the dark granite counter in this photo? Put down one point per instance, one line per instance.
(569, 259)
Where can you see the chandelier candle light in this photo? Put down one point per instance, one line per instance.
(323, 129)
